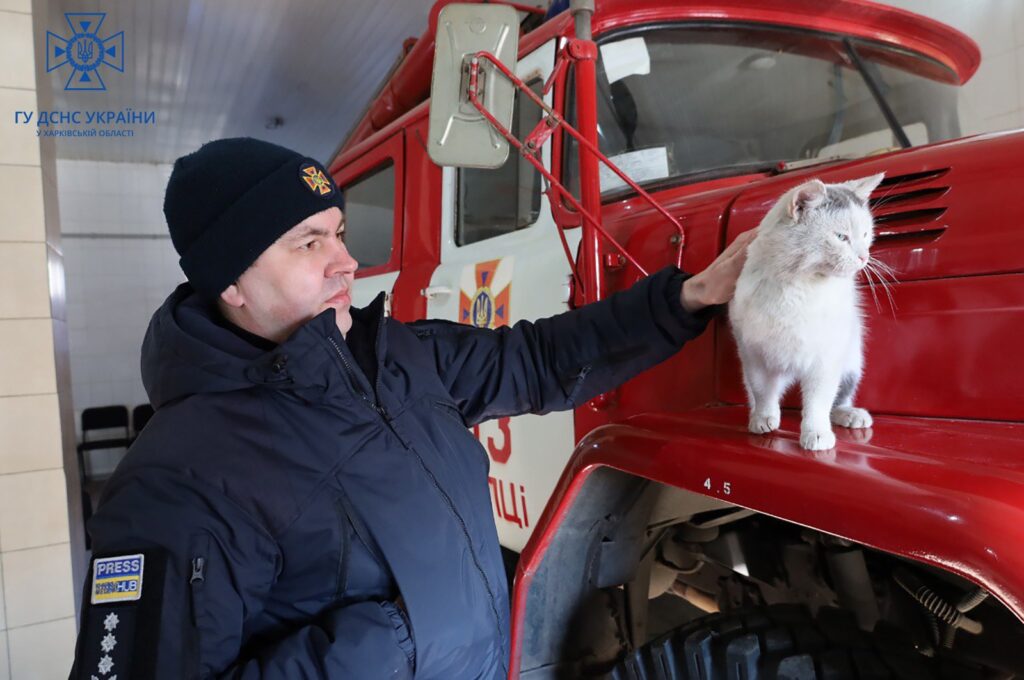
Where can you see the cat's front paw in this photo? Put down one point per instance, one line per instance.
(817, 440)
(763, 423)
(851, 417)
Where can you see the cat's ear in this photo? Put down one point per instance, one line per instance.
(805, 197)
(864, 186)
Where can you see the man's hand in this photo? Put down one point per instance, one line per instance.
(716, 284)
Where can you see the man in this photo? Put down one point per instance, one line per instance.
(307, 500)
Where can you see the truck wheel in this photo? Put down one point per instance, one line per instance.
(783, 642)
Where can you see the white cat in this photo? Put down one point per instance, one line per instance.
(796, 313)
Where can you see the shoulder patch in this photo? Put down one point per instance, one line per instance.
(117, 579)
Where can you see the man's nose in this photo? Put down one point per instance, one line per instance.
(342, 261)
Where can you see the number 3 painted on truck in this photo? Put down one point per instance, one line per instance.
(499, 454)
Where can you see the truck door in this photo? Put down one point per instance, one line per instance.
(373, 188)
(502, 261)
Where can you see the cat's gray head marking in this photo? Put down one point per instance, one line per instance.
(824, 229)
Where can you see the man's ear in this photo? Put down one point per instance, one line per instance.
(232, 296)
(805, 197)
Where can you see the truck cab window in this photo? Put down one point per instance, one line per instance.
(686, 103)
(502, 200)
(370, 216)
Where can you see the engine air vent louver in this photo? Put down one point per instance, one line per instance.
(905, 210)
(911, 178)
(893, 198)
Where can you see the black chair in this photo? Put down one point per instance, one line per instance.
(112, 421)
(103, 427)
(140, 416)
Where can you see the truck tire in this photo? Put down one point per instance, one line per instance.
(783, 642)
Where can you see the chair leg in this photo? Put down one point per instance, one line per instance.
(86, 514)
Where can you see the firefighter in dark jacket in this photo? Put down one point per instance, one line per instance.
(307, 500)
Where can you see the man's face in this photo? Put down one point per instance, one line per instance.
(303, 273)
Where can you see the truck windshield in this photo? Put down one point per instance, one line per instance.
(681, 104)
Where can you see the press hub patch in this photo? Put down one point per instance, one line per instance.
(117, 579)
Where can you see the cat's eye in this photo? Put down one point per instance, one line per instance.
(843, 237)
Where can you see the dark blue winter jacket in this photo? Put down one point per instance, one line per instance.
(282, 517)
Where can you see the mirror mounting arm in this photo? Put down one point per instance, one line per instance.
(530, 150)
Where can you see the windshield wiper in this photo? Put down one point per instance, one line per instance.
(746, 168)
(778, 167)
(876, 92)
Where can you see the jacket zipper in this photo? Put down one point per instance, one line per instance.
(380, 410)
(195, 583)
(346, 549)
(372, 403)
(198, 571)
(378, 356)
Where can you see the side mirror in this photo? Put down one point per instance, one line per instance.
(458, 134)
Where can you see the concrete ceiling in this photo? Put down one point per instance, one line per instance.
(222, 68)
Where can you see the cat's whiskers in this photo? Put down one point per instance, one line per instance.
(882, 270)
(880, 203)
(871, 287)
(885, 289)
(871, 265)
(877, 270)
(883, 267)
(885, 198)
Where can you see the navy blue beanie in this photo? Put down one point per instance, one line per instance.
(229, 201)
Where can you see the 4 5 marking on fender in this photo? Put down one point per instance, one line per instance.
(724, 488)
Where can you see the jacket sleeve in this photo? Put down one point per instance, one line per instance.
(560, 362)
(206, 570)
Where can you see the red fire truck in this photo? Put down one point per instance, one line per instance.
(653, 535)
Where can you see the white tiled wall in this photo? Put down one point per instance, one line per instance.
(994, 98)
(35, 646)
(120, 267)
(112, 198)
(5, 664)
(37, 604)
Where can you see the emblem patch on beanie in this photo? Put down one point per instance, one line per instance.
(316, 180)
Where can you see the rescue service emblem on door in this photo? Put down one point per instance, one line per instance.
(485, 293)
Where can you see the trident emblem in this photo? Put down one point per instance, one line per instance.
(482, 309)
(484, 293)
(85, 51)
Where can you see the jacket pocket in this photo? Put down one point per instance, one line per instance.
(403, 632)
(450, 411)
(199, 557)
(346, 549)
(464, 443)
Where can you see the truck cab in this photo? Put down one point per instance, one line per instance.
(651, 532)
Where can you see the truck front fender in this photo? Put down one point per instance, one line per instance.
(947, 493)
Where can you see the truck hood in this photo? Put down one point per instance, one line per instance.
(948, 223)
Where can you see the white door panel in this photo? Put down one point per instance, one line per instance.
(518, 275)
(364, 290)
